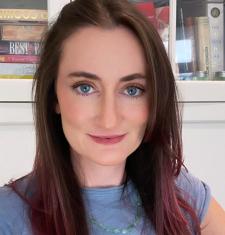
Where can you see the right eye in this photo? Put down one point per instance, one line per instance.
(83, 89)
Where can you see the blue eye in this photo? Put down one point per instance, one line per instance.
(84, 89)
(134, 91)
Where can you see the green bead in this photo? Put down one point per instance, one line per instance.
(123, 230)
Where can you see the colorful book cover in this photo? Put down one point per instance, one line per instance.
(19, 48)
(190, 37)
(27, 32)
(23, 15)
(162, 18)
(13, 76)
(203, 44)
(216, 24)
(17, 69)
(148, 9)
(30, 59)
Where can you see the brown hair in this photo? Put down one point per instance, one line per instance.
(57, 206)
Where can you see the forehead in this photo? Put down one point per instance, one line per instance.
(115, 52)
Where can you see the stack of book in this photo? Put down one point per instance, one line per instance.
(200, 42)
(21, 30)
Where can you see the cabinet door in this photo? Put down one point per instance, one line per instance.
(199, 50)
(22, 25)
(17, 141)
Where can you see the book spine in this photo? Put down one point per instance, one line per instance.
(147, 9)
(22, 32)
(19, 48)
(23, 15)
(17, 69)
(203, 44)
(19, 59)
(162, 18)
(216, 24)
(190, 35)
(13, 76)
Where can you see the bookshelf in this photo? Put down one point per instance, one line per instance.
(210, 90)
(19, 90)
(199, 50)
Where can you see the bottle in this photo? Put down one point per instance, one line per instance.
(220, 76)
(200, 75)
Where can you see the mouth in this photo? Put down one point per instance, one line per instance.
(113, 139)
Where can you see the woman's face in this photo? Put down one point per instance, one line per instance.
(102, 97)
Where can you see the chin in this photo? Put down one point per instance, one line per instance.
(110, 160)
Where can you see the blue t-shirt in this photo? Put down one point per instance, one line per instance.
(105, 207)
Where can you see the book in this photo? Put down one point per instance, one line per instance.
(162, 19)
(23, 15)
(147, 9)
(17, 70)
(203, 46)
(26, 32)
(31, 4)
(30, 59)
(19, 48)
(216, 24)
(189, 26)
(13, 76)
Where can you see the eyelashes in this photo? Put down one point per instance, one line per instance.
(86, 89)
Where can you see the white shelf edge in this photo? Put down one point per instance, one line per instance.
(16, 114)
(201, 91)
(16, 90)
(19, 90)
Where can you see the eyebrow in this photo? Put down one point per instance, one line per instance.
(95, 77)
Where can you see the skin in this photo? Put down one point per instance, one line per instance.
(214, 221)
(108, 108)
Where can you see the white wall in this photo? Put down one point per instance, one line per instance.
(17, 140)
(203, 138)
(204, 152)
(17, 146)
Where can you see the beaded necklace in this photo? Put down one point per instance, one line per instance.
(125, 230)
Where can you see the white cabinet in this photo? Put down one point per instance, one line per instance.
(203, 118)
(204, 144)
(17, 140)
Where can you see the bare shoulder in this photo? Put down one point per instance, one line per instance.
(214, 221)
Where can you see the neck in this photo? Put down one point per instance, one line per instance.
(92, 174)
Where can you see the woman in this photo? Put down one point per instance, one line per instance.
(109, 154)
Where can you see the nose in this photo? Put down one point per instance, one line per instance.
(109, 112)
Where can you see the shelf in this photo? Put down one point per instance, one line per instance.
(16, 114)
(15, 90)
(21, 113)
(201, 91)
(19, 90)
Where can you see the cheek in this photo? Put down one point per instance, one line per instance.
(75, 110)
(137, 114)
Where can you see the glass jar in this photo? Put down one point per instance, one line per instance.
(200, 76)
(220, 76)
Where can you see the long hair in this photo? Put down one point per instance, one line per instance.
(56, 205)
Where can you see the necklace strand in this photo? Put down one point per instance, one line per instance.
(120, 230)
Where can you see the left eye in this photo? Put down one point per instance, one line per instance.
(134, 91)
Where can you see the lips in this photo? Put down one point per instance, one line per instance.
(113, 139)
